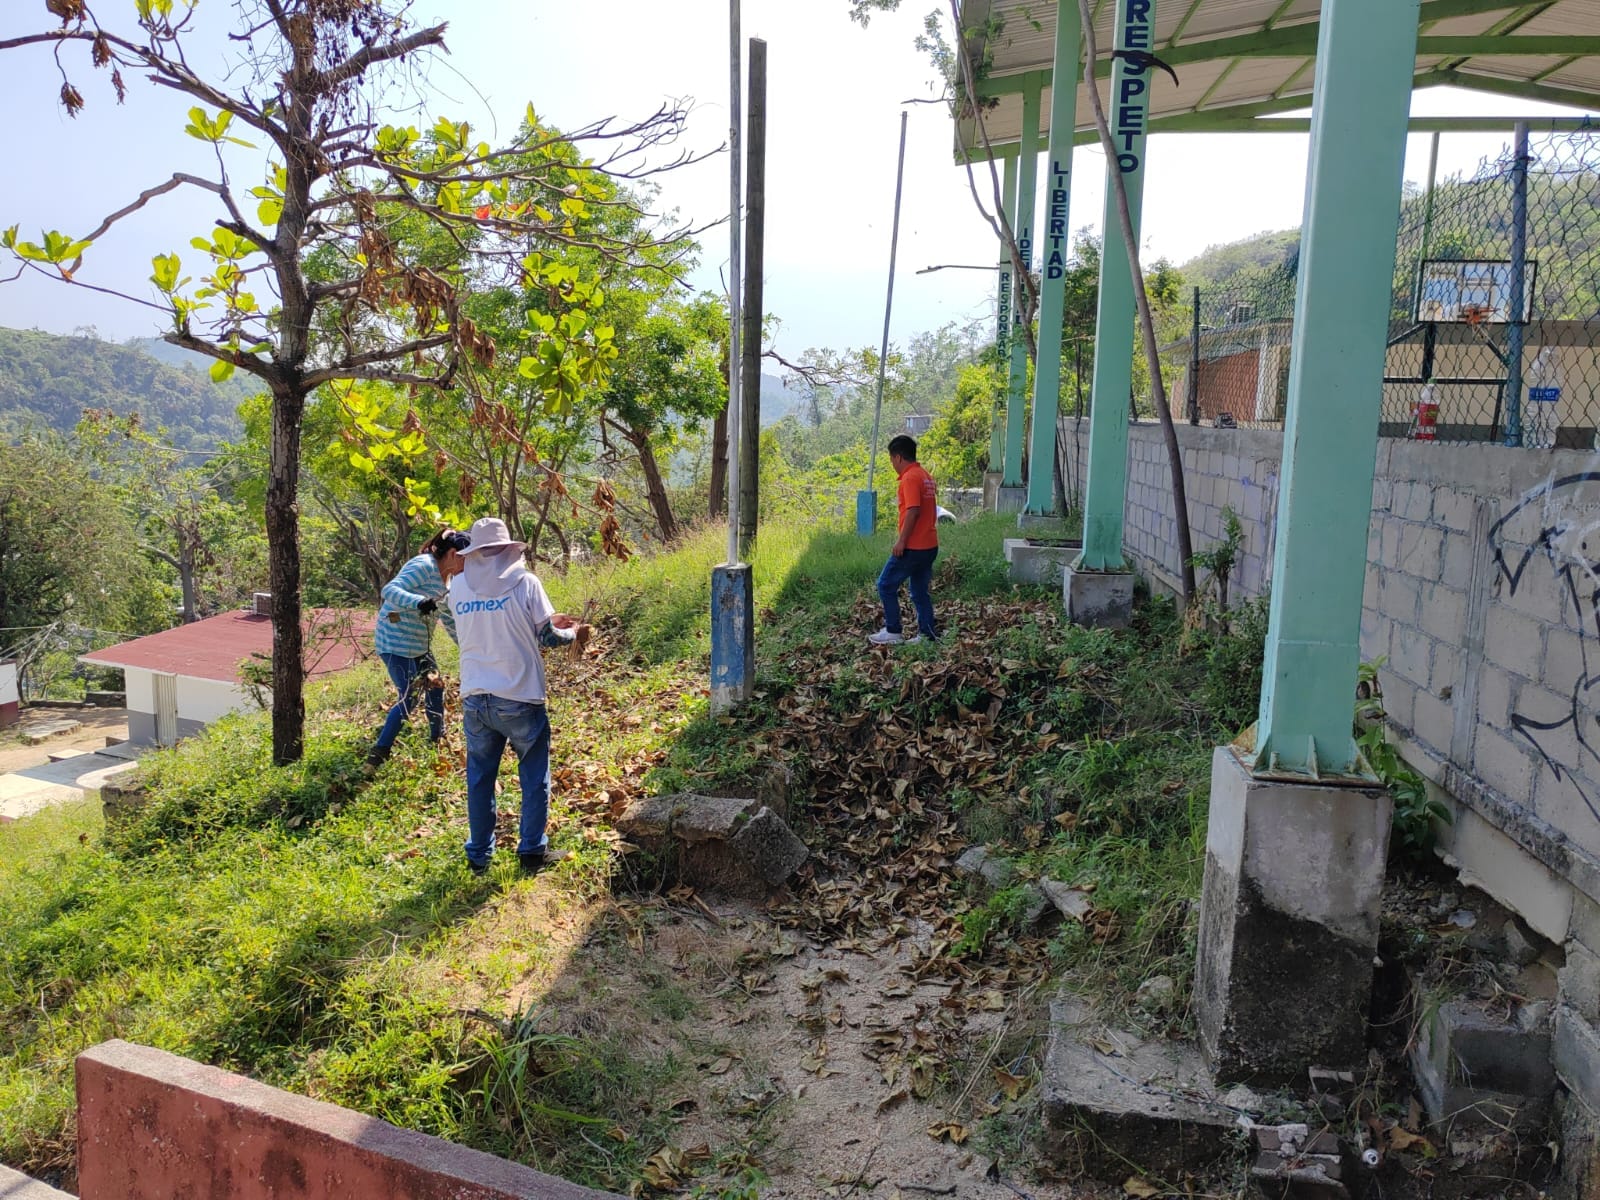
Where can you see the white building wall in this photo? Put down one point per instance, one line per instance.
(140, 686)
(204, 700)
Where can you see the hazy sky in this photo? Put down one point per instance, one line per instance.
(835, 95)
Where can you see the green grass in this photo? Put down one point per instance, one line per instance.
(321, 933)
(804, 573)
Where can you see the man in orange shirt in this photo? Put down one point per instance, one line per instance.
(911, 559)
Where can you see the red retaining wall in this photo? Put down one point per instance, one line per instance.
(154, 1126)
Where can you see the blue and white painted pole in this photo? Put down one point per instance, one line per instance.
(733, 636)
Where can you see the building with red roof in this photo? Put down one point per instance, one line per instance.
(180, 680)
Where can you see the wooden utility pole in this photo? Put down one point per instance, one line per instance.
(754, 243)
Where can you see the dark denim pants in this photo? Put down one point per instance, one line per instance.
(914, 568)
(407, 675)
(490, 723)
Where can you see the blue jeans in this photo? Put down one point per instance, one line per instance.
(490, 723)
(407, 675)
(914, 568)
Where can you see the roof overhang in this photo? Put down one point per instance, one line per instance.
(1241, 63)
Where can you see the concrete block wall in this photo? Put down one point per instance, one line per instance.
(1483, 597)
(1223, 469)
(1481, 594)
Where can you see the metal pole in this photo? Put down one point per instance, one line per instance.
(1194, 361)
(754, 244)
(1022, 228)
(1365, 54)
(1002, 335)
(1516, 330)
(1427, 201)
(888, 307)
(733, 646)
(734, 359)
(1068, 54)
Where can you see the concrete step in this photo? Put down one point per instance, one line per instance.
(1116, 1105)
(63, 755)
(16, 1186)
(36, 732)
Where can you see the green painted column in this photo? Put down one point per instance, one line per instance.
(1056, 245)
(1002, 306)
(1365, 57)
(1106, 479)
(1027, 187)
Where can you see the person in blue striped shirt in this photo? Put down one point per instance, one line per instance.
(404, 637)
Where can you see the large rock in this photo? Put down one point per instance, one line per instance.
(734, 844)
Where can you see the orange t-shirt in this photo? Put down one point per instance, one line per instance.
(917, 491)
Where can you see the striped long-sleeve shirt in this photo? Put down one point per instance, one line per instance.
(401, 629)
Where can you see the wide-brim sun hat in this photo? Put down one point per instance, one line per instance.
(490, 533)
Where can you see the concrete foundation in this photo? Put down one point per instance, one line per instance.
(1098, 598)
(1010, 499)
(1038, 562)
(1288, 924)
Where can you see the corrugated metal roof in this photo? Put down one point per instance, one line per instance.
(213, 648)
(1017, 38)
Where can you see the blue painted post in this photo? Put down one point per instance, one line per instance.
(1365, 55)
(733, 635)
(1516, 330)
(867, 511)
(1002, 328)
(1106, 481)
(1027, 186)
(1053, 287)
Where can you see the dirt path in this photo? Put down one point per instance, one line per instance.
(834, 1067)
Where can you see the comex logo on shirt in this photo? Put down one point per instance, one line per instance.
(471, 606)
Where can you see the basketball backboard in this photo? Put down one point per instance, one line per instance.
(1471, 291)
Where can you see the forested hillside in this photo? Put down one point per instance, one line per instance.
(1216, 266)
(50, 380)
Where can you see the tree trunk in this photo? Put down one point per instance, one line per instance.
(283, 563)
(186, 573)
(655, 487)
(718, 503)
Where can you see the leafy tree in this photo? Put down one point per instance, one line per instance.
(69, 554)
(956, 446)
(347, 303)
(669, 370)
(174, 496)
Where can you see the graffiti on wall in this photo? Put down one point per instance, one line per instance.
(1564, 554)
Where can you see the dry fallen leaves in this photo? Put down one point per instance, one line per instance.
(1137, 1185)
(1012, 1085)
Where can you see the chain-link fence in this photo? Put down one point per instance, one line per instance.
(1464, 364)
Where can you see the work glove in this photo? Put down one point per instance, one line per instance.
(427, 606)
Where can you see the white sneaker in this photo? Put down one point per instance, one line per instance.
(884, 638)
